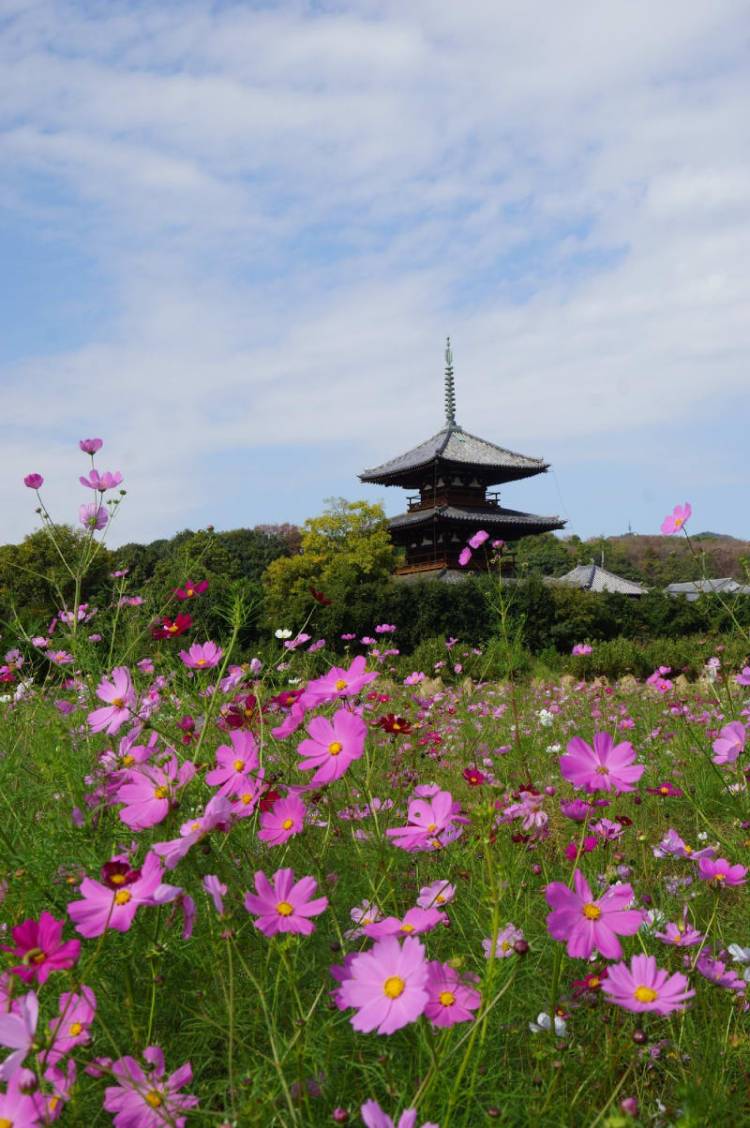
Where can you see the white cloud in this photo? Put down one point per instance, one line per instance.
(292, 207)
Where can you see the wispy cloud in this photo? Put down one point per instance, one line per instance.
(274, 216)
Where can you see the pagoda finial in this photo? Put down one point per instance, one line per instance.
(450, 387)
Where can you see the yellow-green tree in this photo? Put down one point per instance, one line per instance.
(347, 546)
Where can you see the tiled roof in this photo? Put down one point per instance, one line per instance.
(591, 577)
(455, 445)
(478, 518)
(694, 588)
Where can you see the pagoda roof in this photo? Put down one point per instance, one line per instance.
(591, 577)
(491, 517)
(458, 447)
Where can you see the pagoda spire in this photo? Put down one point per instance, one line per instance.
(450, 387)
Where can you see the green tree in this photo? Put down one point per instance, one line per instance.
(347, 546)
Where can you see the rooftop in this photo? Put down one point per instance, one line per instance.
(592, 577)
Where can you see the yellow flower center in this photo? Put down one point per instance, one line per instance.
(446, 998)
(75, 1029)
(246, 798)
(664, 791)
(432, 828)
(123, 896)
(591, 911)
(287, 824)
(33, 956)
(677, 522)
(688, 849)
(407, 927)
(127, 760)
(440, 899)
(645, 994)
(594, 981)
(394, 986)
(284, 908)
(5, 1123)
(117, 879)
(719, 877)
(340, 684)
(239, 765)
(335, 747)
(161, 792)
(154, 1099)
(195, 826)
(504, 946)
(602, 770)
(118, 703)
(200, 661)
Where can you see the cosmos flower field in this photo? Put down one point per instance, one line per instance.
(239, 891)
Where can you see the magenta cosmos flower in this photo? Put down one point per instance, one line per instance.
(674, 521)
(114, 903)
(71, 1026)
(431, 822)
(17, 1031)
(202, 656)
(719, 872)
(478, 539)
(729, 743)
(645, 987)
(93, 516)
(90, 446)
(387, 985)
(339, 683)
(233, 762)
(217, 815)
(148, 1099)
(16, 1107)
(40, 948)
(590, 924)
(286, 817)
(120, 697)
(415, 921)
(284, 906)
(605, 767)
(34, 481)
(149, 793)
(464, 556)
(450, 999)
(333, 745)
(374, 1117)
(744, 677)
(101, 482)
(190, 590)
(581, 650)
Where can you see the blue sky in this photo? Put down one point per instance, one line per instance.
(235, 237)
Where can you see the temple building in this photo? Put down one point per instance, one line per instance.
(451, 475)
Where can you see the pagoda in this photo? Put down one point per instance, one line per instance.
(453, 472)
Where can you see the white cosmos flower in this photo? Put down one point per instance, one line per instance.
(544, 1023)
(282, 632)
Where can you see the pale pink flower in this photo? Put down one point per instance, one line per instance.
(675, 520)
(286, 817)
(415, 921)
(605, 767)
(202, 656)
(233, 763)
(387, 985)
(645, 987)
(436, 893)
(17, 1030)
(101, 482)
(90, 446)
(216, 890)
(374, 1117)
(285, 906)
(504, 944)
(333, 745)
(478, 539)
(729, 743)
(148, 1099)
(120, 697)
(451, 1000)
(93, 516)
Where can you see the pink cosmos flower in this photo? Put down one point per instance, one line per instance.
(644, 987)
(675, 520)
(339, 683)
(93, 516)
(744, 677)
(333, 745)
(414, 922)
(120, 697)
(217, 815)
(148, 794)
(17, 1030)
(720, 873)
(148, 1099)
(504, 945)
(34, 481)
(72, 1025)
(90, 446)
(387, 985)
(284, 906)
(202, 656)
(605, 767)
(216, 890)
(363, 914)
(436, 893)
(101, 482)
(16, 1106)
(729, 743)
(582, 650)
(672, 846)
(716, 972)
(450, 999)
(41, 949)
(114, 904)
(464, 556)
(286, 817)
(590, 924)
(478, 539)
(233, 762)
(374, 1117)
(189, 590)
(679, 935)
(431, 822)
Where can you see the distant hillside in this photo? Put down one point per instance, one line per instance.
(653, 560)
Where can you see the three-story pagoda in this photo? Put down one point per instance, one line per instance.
(452, 474)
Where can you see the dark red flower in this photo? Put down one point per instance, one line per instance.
(242, 712)
(268, 798)
(187, 724)
(318, 596)
(117, 873)
(286, 698)
(172, 628)
(592, 982)
(189, 590)
(393, 724)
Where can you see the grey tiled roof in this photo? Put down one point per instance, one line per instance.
(453, 444)
(694, 588)
(591, 577)
(477, 517)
